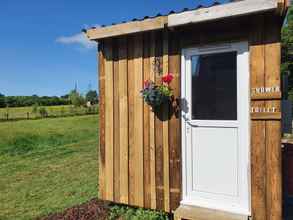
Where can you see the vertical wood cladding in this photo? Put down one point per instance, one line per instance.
(139, 149)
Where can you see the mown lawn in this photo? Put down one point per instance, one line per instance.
(47, 165)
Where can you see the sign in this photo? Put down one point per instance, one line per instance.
(263, 109)
(265, 113)
(266, 93)
(262, 90)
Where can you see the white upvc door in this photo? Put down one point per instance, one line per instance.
(215, 127)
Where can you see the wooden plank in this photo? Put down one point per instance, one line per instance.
(137, 165)
(258, 148)
(159, 128)
(166, 127)
(227, 31)
(174, 123)
(264, 96)
(116, 128)
(109, 135)
(127, 28)
(123, 115)
(171, 190)
(198, 213)
(266, 116)
(131, 73)
(146, 125)
(273, 128)
(282, 7)
(221, 11)
(152, 127)
(102, 193)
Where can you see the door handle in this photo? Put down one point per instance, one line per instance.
(185, 118)
(188, 121)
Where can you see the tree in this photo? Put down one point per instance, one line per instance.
(2, 101)
(287, 49)
(76, 99)
(35, 108)
(92, 96)
(43, 112)
(65, 96)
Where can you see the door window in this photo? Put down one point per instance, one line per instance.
(214, 86)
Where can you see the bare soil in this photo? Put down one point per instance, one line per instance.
(93, 210)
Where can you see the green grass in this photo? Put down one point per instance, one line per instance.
(54, 111)
(47, 165)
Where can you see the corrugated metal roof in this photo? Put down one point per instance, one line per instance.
(197, 6)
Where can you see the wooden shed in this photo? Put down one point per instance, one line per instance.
(217, 144)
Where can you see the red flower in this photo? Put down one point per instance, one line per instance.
(147, 83)
(168, 78)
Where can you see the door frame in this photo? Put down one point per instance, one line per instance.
(243, 117)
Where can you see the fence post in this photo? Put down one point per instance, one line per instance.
(28, 115)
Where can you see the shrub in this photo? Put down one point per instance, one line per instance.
(76, 99)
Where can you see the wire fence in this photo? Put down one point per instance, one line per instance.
(12, 115)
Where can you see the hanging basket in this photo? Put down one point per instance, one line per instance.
(157, 95)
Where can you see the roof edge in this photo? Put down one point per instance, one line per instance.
(127, 28)
(233, 9)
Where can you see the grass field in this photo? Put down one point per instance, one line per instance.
(53, 111)
(47, 165)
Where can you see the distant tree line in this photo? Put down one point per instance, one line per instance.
(2, 101)
(73, 98)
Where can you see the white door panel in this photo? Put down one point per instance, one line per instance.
(215, 127)
(222, 151)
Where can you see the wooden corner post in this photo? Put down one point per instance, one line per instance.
(266, 173)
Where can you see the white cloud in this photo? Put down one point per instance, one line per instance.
(77, 39)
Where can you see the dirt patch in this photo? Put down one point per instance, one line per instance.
(92, 210)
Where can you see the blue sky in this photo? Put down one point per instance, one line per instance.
(42, 51)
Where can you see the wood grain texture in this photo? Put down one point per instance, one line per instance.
(159, 128)
(266, 116)
(174, 123)
(265, 96)
(258, 147)
(109, 125)
(123, 116)
(127, 28)
(152, 127)
(273, 128)
(198, 213)
(146, 124)
(131, 90)
(116, 119)
(137, 165)
(102, 193)
(166, 126)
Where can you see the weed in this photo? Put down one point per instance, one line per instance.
(130, 213)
